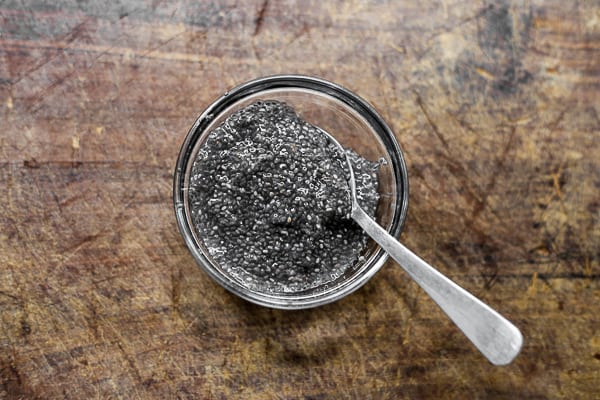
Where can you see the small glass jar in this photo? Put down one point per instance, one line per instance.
(355, 124)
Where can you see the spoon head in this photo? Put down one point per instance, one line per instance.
(350, 171)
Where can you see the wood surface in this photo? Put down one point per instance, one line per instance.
(495, 104)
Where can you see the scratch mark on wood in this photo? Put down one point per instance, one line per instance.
(588, 266)
(10, 296)
(176, 276)
(532, 286)
(556, 181)
(18, 45)
(75, 142)
(68, 40)
(303, 31)
(459, 171)
(163, 43)
(77, 31)
(406, 338)
(433, 125)
(449, 29)
(259, 21)
(485, 74)
(31, 163)
(77, 246)
(498, 167)
(399, 48)
(137, 376)
(464, 124)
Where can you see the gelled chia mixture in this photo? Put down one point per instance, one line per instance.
(269, 198)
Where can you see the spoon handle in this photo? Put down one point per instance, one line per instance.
(497, 339)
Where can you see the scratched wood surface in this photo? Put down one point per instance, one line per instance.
(495, 104)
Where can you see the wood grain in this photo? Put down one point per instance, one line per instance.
(495, 105)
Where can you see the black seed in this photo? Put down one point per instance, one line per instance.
(269, 198)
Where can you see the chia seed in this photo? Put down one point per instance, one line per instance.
(269, 197)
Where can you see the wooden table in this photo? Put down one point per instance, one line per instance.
(495, 104)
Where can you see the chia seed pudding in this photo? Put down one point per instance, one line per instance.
(269, 197)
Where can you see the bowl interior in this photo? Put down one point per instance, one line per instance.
(353, 131)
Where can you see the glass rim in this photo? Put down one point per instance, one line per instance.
(339, 93)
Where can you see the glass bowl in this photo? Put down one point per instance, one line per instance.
(355, 124)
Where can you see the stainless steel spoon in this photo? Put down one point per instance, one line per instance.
(495, 337)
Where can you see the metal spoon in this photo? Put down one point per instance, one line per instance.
(495, 337)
